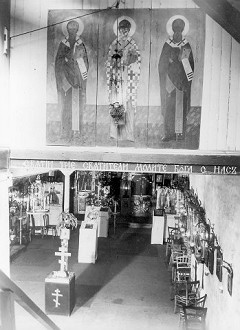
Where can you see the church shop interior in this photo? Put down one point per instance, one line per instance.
(103, 202)
(77, 212)
(133, 198)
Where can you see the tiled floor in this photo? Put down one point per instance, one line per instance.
(127, 288)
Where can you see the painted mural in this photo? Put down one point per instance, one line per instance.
(176, 66)
(126, 78)
(71, 67)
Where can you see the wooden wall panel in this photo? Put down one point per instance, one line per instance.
(224, 91)
(220, 119)
(105, 37)
(155, 119)
(88, 134)
(205, 127)
(17, 18)
(215, 87)
(104, 4)
(234, 97)
(102, 128)
(237, 144)
(90, 4)
(103, 121)
(173, 4)
(56, 4)
(141, 128)
(142, 4)
(155, 128)
(127, 4)
(143, 37)
(91, 42)
(25, 88)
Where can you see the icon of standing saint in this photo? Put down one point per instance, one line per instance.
(71, 70)
(176, 70)
(123, 72)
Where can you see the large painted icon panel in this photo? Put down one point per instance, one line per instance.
(125, 40)
(72, 77)
(176, 77)
(125, 78)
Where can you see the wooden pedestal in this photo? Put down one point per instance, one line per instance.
(158, 227)
(59, 294)
(103, 222)
(88, 239)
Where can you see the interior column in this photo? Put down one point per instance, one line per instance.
(66, 203)
(4, 224)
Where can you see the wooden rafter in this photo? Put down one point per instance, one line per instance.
(224, 14)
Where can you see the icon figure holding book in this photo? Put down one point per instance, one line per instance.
(176, 69)
(71, 70)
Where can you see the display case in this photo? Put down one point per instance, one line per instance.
(103, 222)
(54, 201)
(158, 226)
(19, 228)
(88, 239)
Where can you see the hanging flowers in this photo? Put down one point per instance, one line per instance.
(117, 112)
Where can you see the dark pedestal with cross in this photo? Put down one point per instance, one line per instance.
(59, 294)
(60, 286)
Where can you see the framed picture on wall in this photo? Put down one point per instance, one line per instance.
(159, 178)
(229, 269)
(219, 264)
(230, 282)
(210, 261)
(211, 249)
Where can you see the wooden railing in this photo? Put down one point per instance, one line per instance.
(10, 292)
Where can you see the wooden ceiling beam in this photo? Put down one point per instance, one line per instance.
(224, 14)
(187, 157)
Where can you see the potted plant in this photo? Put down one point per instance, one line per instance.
(66, 221)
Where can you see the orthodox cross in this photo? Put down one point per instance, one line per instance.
(57, 295)
(64, 258)
(131, 75)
